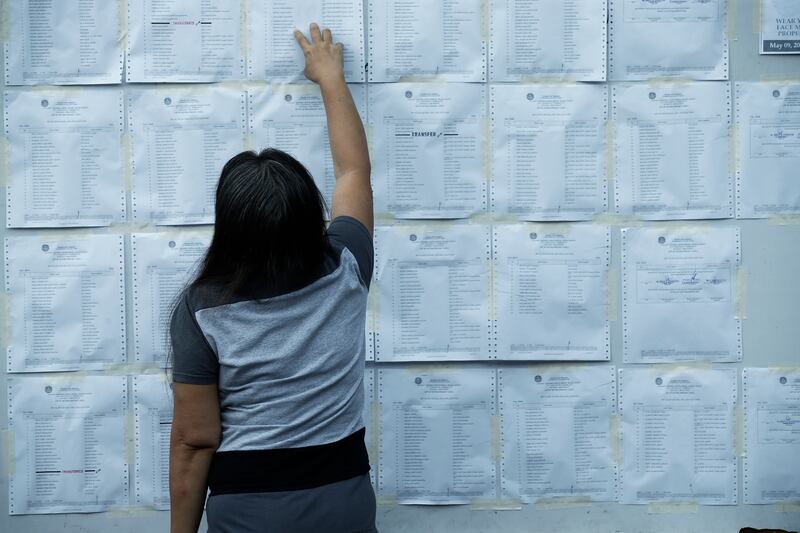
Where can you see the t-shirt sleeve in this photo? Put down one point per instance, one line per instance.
(193, 360)
(353, 235)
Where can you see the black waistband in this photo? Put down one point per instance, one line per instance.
(288, 468)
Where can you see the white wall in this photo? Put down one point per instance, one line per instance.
(771, 334)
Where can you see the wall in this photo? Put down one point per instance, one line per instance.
(771, 253)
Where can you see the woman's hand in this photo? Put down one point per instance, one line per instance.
(323, 57)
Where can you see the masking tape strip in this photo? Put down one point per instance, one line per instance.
(386, 500)
(784, 219)
(611, 219)
(67, 233)
(375, 420)
(9, 465)
(130, 512)
(786, 79)
(758, 17)
(672, 508)
(733, 153)
(373, 313)
(615, 436)
(788, 507)
(612, 294)
(244, 34)
(127, 161)
(423, 78)
(548, 80)
(682, 227)
(122, 23)
(133, 368)
(64, 91)
(5, 20)
(738, 428)
(136, 226)
(497, 446)
(5, 319)
(566, 502)
(486, 11)
(677, 81)
(387, 219)
(683, 366)
(783, 367)
(130, 437)
(488, 160)
(249, 143)
(741, 293)
(499, 504)
(611, 151)
(731, 12)
(5, 161)
(415, 368)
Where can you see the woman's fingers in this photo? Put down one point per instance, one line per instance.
(327, 36)
(301, 40)
(316, 36)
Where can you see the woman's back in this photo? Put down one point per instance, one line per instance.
(288, 361)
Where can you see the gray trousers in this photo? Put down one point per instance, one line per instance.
(344, 506)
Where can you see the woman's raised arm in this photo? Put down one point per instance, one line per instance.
(352, 194)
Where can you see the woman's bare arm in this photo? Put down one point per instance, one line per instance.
(194, 439)
(352, 194)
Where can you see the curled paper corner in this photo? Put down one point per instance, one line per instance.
(500, 504)
(741, 293)
(672, 508)
(562, 502)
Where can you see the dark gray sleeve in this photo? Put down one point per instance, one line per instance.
(353, 235)
(193, 360)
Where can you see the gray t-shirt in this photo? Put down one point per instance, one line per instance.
(288, 362)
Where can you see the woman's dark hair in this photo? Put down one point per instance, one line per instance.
(270, 222)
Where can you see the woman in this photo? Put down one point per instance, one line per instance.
(268, 340)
